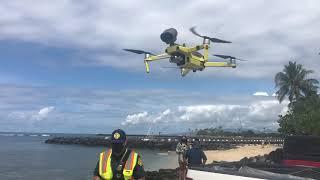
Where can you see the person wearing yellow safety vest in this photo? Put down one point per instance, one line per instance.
(119, 163)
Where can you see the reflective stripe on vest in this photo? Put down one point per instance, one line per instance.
(130, 165)
(105, 170)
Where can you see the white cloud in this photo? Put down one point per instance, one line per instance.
(31, 115)
(18, 115)
(267, 109)
(43, 113)
(100, 111)
(162, 116)
(136, 118)
(145, 117)
(261, 94)
(288, 30)
(204, 112)
(258, 114)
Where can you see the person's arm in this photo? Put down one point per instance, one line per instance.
(178, 149)
(204, 162)
(96, 175)
(204, 158)
(186, 155)
(138, 171)
(96, 178)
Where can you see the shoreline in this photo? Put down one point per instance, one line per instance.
(236, 154)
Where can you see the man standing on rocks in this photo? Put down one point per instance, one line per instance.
(195, 155)
(119, 163)
(181, 149)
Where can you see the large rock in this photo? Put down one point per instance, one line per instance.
(162, 174)
(273, 157)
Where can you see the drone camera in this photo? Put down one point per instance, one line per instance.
(169, 36)
(179, 59)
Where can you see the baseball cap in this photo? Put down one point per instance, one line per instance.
(118, 136)
(184, 139)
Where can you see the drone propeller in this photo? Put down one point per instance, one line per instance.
(215, 40)
(228, 57)
(146, 53)
(138, 51)
(171, 67)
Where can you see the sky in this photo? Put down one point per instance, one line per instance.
(63, 68)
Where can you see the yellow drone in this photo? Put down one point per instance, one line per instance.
(187, 58)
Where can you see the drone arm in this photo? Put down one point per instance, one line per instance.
(154, 58)
(147, 66)
(206, 52)
(219, 64)
(157, 57)
(194, 48)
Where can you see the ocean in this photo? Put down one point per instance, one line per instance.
(26, 156)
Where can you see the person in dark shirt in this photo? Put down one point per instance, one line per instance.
(118, 158)
(195, 156)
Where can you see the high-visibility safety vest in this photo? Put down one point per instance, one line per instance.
(105, 170)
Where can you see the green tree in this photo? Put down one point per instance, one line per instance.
(303, 117)
(293, 82)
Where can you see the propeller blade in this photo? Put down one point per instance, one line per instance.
(170, 67)
(224, 56)
(138, 51)
(241, 59)
(193, 30)
(228, 57)
(214, 40)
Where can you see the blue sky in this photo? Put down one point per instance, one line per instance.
(36, 64)
(63, 68)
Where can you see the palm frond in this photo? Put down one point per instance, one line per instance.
(312, 81)
(293, 82)
(281, 93)
(280, 78)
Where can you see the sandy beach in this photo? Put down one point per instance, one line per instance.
(239, 153)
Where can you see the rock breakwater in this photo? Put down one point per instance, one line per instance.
(134, 143)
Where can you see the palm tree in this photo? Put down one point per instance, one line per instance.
(293, 82)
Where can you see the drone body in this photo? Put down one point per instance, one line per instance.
(187, 58)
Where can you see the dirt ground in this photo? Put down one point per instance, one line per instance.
(239, 153)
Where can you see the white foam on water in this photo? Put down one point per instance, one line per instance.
(7, 134)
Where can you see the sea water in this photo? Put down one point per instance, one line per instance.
(26, 156)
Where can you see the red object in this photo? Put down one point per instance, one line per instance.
(290, 162)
